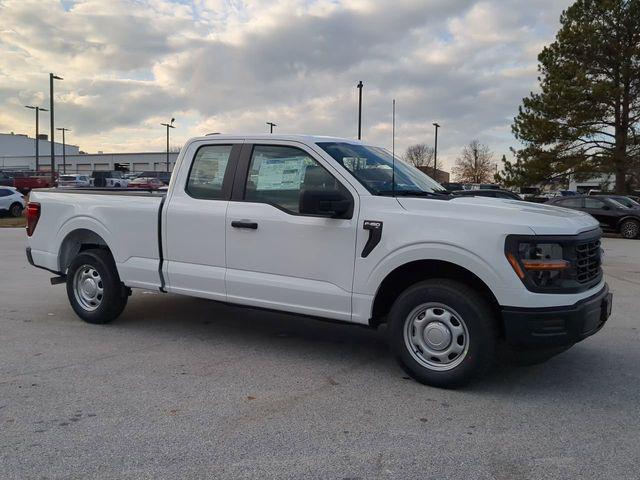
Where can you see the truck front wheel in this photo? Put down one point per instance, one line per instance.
(443, 333)
(94, 288)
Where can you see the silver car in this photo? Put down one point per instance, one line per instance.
(74, 181)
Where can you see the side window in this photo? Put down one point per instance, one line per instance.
(593, 203)
(4, 192)
(207, 172)
(571, 203)
(279, 174)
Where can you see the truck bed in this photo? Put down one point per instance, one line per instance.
(128, 192)
(128, 221)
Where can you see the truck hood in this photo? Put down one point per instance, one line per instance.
(541, 219)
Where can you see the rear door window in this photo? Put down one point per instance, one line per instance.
(593, 203)
(208, 171)
(570, 203)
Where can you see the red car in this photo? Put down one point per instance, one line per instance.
(148, 183)
(27, 181)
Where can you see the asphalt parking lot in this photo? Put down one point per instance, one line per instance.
(187, 388)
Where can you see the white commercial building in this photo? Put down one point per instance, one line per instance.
(17, 152)
(19, 145)
(88, 162)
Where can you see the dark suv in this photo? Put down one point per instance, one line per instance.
(611, 213)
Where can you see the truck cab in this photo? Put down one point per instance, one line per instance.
(336, 229)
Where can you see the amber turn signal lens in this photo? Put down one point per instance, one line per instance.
(516, 266)
(545, 265)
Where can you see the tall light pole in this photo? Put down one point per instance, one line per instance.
(359, 86)
(168, 125)
(52, 77)
(38, 110)
(271, 125)
(64, 149)
(435, 154)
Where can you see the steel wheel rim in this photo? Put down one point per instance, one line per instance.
(88, 288)
(630, 230)
(436, 336)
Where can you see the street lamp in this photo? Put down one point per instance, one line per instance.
(38, 110)
(168, 125)
(271, 125)
(64, 149)
(359, 87)
(52, 77)
(435, 153)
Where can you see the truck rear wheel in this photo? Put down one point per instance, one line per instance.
(94, 288)
(443, 333)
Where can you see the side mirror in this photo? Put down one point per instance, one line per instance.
(326, 203)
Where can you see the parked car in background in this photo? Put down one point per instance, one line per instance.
(6, 180)
(453, 186)
(612, 215)
(27, 181)
(488, 193)
(325, 227)
(148, 183)
(12, 201)
(562, 193)
(74, 181)
(108, 179)
(165, 177)
(482, 186)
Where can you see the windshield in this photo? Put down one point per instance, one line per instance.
(372, 167)
(626, 202)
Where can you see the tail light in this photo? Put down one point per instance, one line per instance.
(33, 215)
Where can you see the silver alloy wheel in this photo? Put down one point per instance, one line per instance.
(630, 229)
(88, 288)
(436, 336)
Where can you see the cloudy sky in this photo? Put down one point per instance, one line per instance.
(231, 65)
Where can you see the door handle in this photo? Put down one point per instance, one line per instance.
(244, 224)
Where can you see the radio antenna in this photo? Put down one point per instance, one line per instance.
(393, 150)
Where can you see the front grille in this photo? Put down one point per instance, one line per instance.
(588, 261)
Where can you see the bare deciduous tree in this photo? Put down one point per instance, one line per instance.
(419, 155)
(475, 164)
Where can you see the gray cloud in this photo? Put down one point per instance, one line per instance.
(216, 66)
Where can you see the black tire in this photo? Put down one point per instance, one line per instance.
(476, 316)
(630, 229)
(15, 210)
(113, 297)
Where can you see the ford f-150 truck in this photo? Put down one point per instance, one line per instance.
(336, 229)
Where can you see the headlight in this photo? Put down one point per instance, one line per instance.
(542, 263)
(545, 264)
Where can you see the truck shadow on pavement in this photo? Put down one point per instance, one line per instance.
(292, 338)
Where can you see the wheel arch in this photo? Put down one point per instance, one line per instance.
(77, 241)
(624, 219)
(403, 276)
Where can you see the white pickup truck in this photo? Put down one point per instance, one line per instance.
(336, 229)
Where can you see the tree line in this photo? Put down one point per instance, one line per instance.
(585, 119)
(475, 164)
